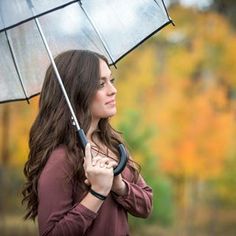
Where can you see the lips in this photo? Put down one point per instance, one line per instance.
(111, 102)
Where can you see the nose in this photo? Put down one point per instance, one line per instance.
(111, 89)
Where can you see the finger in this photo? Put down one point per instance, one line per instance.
(111, 164)
(84, 164)
(88, 156)
(94, 152)
(95, 160)
(103, 161)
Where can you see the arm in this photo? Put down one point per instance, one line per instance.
(136, 198)
(57, 214)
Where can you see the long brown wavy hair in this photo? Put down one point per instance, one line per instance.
(80, 73)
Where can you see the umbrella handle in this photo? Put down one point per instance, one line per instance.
(121, 148)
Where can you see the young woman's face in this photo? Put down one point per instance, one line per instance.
(104, 103)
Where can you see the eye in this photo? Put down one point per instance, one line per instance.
(113, 80)
(101, 84)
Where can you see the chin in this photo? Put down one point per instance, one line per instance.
(105, 113)
(110, 114)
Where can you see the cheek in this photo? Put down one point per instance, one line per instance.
(98, 99)
(96, 103)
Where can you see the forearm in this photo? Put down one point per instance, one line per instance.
(75, 221)
(137, 200)
(121, 189)
(91, 202)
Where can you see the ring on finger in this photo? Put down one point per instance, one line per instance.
(107, 165)
(102, 165)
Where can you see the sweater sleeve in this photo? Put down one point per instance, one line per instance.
(138, 200)
(57, 214)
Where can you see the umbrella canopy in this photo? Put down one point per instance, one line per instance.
(32, 32)
(112, 28)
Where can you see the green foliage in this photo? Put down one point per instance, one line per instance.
(163, 206)
(223, 185)
(138, 138)
(11, 180)
(134, 133)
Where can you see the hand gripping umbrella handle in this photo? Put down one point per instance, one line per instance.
(123, 154)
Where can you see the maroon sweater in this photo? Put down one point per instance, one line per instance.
(60, 212)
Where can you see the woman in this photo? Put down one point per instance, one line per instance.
(72, 193)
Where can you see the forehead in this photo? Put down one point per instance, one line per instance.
(104, 69)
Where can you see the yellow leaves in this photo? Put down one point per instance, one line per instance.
(134, 79)
(206, 41)
(193, 123)
(228, 68)
(195, 137)
(21, 116)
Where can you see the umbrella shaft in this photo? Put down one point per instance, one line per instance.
(75, 121)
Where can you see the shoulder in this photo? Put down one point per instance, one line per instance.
(58, 162)
(59, 155)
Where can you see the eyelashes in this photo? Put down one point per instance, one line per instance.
(113, 80)
(102, 83)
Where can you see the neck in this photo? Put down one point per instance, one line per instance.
(92, 128)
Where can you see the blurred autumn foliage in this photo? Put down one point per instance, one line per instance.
(182, 84)
(177, 110)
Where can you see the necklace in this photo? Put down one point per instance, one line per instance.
(96, 151)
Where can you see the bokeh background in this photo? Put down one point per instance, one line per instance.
(177, 111)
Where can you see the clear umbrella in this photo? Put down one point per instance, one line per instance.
(32, 32)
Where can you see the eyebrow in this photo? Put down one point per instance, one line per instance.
(104, 77)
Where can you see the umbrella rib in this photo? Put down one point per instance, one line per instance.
(165, 11)
(16, 67)
(98, 33)
(19, 99)
(38, 15)
(15, 62)
(148, 36)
